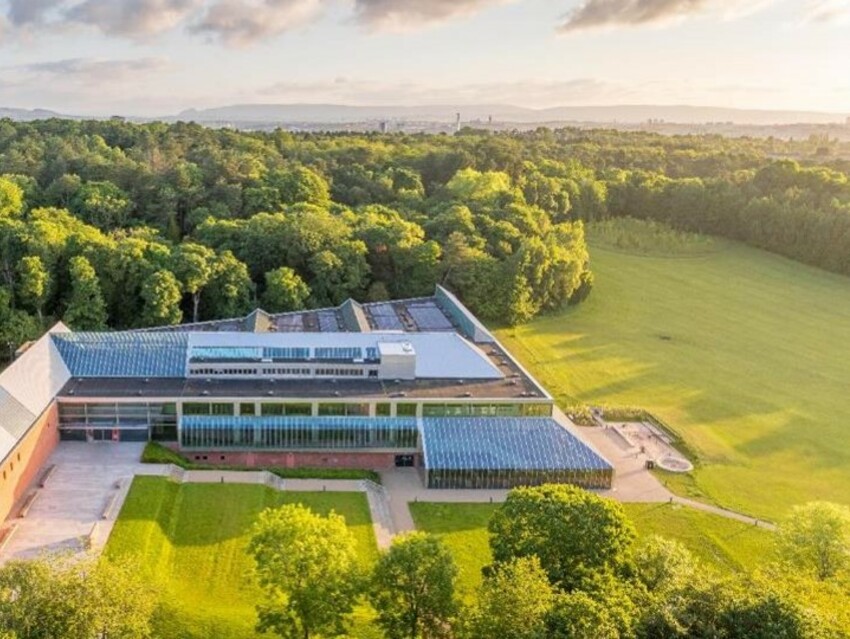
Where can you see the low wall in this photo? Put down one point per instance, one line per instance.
(22, 466)
(301, 459)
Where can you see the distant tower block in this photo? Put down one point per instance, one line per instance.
(384, 126)
(457, 122)
(490, 119)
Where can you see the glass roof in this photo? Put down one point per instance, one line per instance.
(494, 443)
(124, 354)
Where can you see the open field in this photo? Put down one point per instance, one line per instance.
(745, 354)
(191, 537)
(726, 544)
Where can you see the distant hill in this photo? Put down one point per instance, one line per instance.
(28, 115)
(444, 114)
(335, 113)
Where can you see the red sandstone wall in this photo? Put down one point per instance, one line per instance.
(23, 464)
(329, 459)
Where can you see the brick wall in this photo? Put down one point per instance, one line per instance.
(329, 459)
(26, 460)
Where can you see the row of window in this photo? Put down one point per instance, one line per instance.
(286, 372)
(298, 436)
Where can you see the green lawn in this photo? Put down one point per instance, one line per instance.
(192, 539)
(745, 354)
(463, 528)
(726, 544)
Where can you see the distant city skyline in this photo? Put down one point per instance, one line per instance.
(158, 57)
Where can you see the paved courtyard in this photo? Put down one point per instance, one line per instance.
(72, 503)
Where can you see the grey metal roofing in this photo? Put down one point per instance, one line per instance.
(15, 419)
(28, 387)
(504, 443)
(444, 355)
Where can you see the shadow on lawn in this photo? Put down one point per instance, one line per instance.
(210, 514)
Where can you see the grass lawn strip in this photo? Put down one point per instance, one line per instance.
(197, 534)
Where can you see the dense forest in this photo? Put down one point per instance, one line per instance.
(123, 225)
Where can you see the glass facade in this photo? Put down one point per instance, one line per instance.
(297, 432)
(160, 419)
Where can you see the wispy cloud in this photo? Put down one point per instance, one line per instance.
(827, 11)
(405, 15)
(243, 22)
(87, 70)
(592, 14)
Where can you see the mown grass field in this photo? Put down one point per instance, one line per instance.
(745, 354)
(192, 538)
(725, 544)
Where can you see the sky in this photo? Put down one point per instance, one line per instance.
(158, 57)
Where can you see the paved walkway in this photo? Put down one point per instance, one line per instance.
(89, 481)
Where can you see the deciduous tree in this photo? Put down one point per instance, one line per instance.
(307, 567)
(413, 588)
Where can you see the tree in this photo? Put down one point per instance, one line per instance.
(230, 291)
(513, 602)
(573, 532)
(816, 538)
(75, 599)
(302, 185)
(194, 267)
(161, 295)
(33, 280)
(120, 602)
(285, 291)
(413, 588)
(16, 326)
(11, 198)
(85, 310)
(579, 615)
(102, 204)
(662, 565)
(307, 568)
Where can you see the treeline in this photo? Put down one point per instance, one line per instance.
(119, 225)
(123, 225)
(801, 213)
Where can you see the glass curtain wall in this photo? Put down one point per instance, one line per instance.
(273, 432)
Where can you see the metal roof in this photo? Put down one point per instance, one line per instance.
(438, 355)
(504, 443)
(28, 386)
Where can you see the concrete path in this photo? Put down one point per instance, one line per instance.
(89, 482)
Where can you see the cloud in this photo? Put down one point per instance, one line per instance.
(827, 11)
(88, 70)
(608, 13)
(243, 22)
(405, 15)
(25, 12)
(132, 17)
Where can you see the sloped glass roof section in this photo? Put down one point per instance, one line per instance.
(528, 443)
(131, 354)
